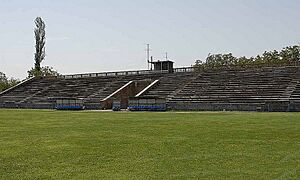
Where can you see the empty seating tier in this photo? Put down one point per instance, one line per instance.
(231, 89)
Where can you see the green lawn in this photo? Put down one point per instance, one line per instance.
(36, 144)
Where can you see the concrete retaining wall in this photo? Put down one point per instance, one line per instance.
(213, 107)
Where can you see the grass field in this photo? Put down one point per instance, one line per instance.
(36, 144)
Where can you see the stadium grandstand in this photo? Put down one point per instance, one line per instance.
(230, 89)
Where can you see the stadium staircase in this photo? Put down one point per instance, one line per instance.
(169, 84)
(291, 91)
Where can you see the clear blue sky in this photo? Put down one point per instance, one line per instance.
(107, 35)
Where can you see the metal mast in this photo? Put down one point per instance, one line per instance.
(166, 56)
(148, 55)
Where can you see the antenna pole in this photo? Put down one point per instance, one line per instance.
(166, 56)
(148, 54)
(151, 63)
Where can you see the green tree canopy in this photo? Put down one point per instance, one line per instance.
(40, 41)
(45, 71)
(6, 83)
(287, 56)
(39, 56)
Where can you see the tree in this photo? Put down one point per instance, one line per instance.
(39, 56)
(3, 81)
(6, 83)
(290, 54)
(45, 71)
(287, 56)
(221, 60)
(2, 77)
(40, 41)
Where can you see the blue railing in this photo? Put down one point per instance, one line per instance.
(147, 108)
(69, 107)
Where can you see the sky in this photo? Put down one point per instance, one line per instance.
(111, 35)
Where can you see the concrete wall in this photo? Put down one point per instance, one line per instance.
(27, 106)
(268, 107)
(212, 107)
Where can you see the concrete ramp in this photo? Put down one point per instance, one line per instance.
(147, 88)
(118, 90)
(121, 96)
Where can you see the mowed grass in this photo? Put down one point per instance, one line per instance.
(40, 144)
